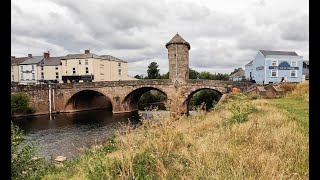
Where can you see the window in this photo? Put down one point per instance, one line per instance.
(293, 63)
(119, 71)
(80, 61)
(73, 70)
(87, 70)
(293, 73)
(21, 76)
(86, 62)
(12, 77)
(119, 64)
(65, 63)
(21, 67)
(32, 66)
(101, 73)
(274, 63)
(33, 76)
(274, 73)
(41, 68)
(57, 68)
(57, 75)
(42, 75)
(101, 64)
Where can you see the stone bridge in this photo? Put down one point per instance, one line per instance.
(123, 96)
(119, 96)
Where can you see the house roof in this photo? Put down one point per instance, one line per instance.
(92, 55)
(282, 53)
(250, 63)
(51, 61)
(177, 39)
(111, 58)
(33, 60)
(240, 73)
(80, 56)
(16, 61)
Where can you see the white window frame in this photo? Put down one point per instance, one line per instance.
(295, 72)
(295, 62)
(119, 72)
(119, 65)
(66, 63)
(274, 70)
(33, 76)
(86, 62)
(272, 61)
(42, 75)
(87, 70)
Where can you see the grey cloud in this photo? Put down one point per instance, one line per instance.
(296, 29)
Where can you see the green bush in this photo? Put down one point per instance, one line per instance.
(240, 111)
(20, 103)
(24, 163)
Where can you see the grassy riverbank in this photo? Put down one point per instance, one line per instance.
(243, 138)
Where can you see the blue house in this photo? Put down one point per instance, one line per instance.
(272, 66)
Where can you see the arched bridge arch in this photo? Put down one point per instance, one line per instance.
(130, 102)
(86, 99)
(190, 94)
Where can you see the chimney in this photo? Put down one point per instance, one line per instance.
(30, 55)
(46, 55)
(87, 51)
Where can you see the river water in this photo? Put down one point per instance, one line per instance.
(65, 134)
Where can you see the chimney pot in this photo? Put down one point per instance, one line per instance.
(30, 55)
(87, 51)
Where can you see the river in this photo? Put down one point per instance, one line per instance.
(66, 133)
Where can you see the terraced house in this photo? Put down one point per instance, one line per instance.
(28, 70)
(91, 67)
(272, 66)
(15, 62)
(49, 69)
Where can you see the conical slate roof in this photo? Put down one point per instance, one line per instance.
(177, 39)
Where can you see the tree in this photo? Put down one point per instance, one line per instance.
(165, 76)
(193, 74)
(24, 163)
(153, 71)
(20, 103)
(138, 76)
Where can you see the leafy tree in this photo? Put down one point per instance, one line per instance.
(208, 97)
(24, 163)
(165, 76)
(153, 71)
(205, 75)
(193, 74)
(20, 103)
(149, 97)
(139, 76)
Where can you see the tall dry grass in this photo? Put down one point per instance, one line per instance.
(265, 144)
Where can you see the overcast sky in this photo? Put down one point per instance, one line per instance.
(223, 35)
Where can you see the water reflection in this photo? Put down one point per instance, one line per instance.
(65, 134)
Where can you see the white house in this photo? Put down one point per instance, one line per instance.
(28, 70)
